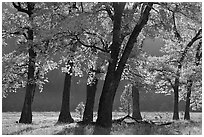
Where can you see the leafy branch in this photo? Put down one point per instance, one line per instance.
(104, 43)
(174, 22)
(198, 53)
(89, 46)
(165, 6)
(138, 27)
(30, 7)
(108, 9)
(168, 79)
(197, 37)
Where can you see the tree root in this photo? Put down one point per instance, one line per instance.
(120, 120)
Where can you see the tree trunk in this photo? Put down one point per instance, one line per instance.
(106, 102)
(65, 116)
(90, 98)
(176, 100)
(110, 85)
(104, 119)
(190, 82)
(26, 114)
(187, 109)
(136, 107)
(116, 66)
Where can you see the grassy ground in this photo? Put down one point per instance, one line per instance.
(44, 123)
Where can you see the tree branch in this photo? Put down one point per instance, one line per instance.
(151, 7)
(108, 9)
(133, 37)
(82, 8)
(105, 45)
(175, 28)
(198, 55)
(89, 46)
(189, 45)
(19, 8)
(198, 38)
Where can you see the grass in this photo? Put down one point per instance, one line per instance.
(44, 123)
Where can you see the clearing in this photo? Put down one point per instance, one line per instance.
(44, 123)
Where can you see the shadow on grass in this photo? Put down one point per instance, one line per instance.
(127, 128)
(77, 130)
(84, 129)
(21, 131)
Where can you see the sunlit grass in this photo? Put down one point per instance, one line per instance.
(44, 123)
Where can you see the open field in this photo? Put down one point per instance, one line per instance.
(44, 123)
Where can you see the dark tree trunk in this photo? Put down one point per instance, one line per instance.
(106, 102)
(176, 100)
(116, 66)
(65, 116)
(110, 85)
(136, 106)
(26, 115)
(187, 109)
(176, 85)
(190, 82)
(90, 98)
(104, 119)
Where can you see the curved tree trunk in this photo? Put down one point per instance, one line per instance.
(104, 118)
(136, 107)
(65, 116)
(187, 109)
(116, 65)
(176, 100)
(90, 99)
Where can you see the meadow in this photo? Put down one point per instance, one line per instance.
(44, 123)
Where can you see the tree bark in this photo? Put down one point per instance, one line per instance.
(90, 99)
(136, 107)
(104, 118)
(176, 99)
(26, 115)
(65, 116)
(187, 109)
